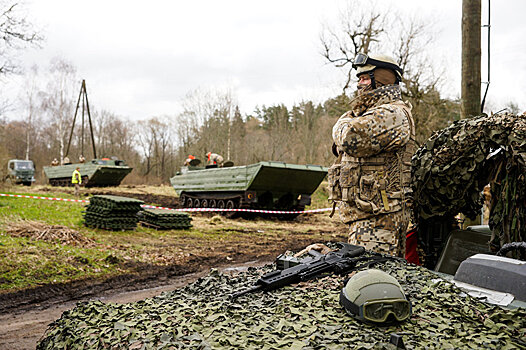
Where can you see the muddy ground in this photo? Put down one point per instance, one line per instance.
(24, 315)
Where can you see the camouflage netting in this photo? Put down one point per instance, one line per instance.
(305, 316)
(452, 167)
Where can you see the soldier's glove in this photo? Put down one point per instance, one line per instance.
(322, 248)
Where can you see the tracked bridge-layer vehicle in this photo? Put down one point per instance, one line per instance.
(97, 173)
(264, 185)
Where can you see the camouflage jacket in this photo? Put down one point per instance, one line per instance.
(375, 142)
(215, 159)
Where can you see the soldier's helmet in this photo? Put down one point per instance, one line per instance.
(375, 296)
(367, 63)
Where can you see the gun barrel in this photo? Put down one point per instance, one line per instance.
(246, 291)
(339, 261)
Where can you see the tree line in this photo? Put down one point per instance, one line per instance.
(211, 121)
(156, 147)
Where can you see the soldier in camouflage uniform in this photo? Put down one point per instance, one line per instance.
(374, 142)
(214, 158)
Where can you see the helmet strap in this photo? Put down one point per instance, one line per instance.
(349, 305)
(373, 81)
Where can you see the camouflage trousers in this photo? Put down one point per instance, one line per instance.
(383, 233)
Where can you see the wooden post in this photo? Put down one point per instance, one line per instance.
(471, 52)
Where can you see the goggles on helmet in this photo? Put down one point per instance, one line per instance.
(362, 59)
(377, 310)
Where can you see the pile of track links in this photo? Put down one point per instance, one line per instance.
(162, 219)
(112, 212)
(303, 316)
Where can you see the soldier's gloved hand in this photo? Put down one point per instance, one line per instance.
(320, 247)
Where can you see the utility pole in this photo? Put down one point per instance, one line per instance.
(471, 53)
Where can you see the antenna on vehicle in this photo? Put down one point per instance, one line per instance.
(85, 107)
(487, 82)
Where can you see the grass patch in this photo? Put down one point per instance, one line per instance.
(26, 262)
(320, 197)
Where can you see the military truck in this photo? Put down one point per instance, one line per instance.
(20, 172)
(264, 185)
(96, 173)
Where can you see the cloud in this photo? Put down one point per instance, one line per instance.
(141, 58)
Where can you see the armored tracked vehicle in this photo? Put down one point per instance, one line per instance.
(264, 185)
(97, 173)
(20, 172)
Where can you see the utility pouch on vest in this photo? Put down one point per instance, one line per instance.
(366, 206)
(369, 187)
(333, 177)
(350, 173)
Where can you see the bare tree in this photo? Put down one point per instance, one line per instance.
(206, 121)
(368, 28)
(114, 136)
(154, 141)
(16, 33)
(31, 103)
(59, 100)
(307, 121)
(360, 29)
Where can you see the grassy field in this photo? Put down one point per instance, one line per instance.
(28, 262)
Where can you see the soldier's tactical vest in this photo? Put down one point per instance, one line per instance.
(374, 185)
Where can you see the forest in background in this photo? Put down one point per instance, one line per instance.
(211, 121)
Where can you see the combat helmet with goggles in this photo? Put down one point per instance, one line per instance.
(375, 296)
(368, 63)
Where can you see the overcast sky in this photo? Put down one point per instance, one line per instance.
(140, 58)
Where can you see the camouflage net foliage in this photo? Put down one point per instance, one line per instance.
(304, 316)
(451, 169)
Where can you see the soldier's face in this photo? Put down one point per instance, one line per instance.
(364, 80)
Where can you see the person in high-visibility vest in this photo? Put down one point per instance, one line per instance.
(188, 160)
(76, 180)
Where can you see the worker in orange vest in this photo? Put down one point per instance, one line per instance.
(188, 160)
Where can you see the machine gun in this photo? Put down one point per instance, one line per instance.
(340, 261)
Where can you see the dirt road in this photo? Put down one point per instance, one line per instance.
(24, 315)
(22, 329)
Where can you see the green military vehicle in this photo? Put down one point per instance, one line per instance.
(474, 298)
(264, 185)
(96, 173)
(20, 172)
(99, 172)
